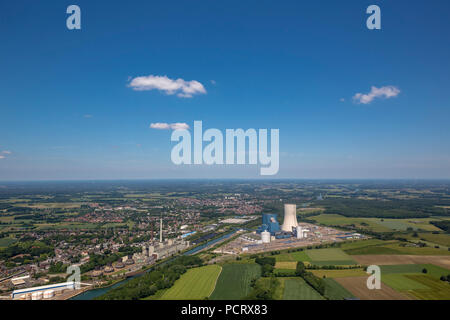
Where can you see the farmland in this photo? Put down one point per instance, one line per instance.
(298, 289)
(195, 284)
(358, 287)
(234, 281)
(334, 291)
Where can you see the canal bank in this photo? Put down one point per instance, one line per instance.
(94, 293)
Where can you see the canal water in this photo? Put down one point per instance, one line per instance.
(92, 294)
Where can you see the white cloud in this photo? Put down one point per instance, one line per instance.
(383, 92)
(6, 152)
(180, 87)
(169, 126)
(2, 157)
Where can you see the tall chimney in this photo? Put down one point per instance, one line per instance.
(160, 231)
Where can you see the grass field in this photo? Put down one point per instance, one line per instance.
(381, 260)
(286, 265)
(437, 290)
(195, 284)
(440, 239)
(334, 291)
(298, 289)
(234, 281)
(339, 273)
(394, 248)
(358, 287)
(329, 256)
(338, 220)
(432, 270)
(401, 282)
(292, 257)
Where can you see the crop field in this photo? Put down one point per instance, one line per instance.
(394, 248)
(234, 281)
(339, 273)
(287, 265)
(358, 287)
(401, 282)
(292, 257)
(404, 224)
(334, 291)
(195, 284)
(322, 257)
(432, 270)
(298, 289)
(440, 239)
(441, 261)
(362, 243)
(437, 290)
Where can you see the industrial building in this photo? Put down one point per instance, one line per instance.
(46, 292)
(271, 226)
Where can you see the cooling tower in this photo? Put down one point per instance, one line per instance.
(290, 217)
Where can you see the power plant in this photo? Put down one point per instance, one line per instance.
(270, 227)
(290, 218)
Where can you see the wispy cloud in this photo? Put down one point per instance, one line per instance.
(383, 92)
(88, 116)
(169, 126)
(180, 87)
(6, 152)
(2, 157)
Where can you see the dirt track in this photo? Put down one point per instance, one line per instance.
(358, 287)
(442, 261)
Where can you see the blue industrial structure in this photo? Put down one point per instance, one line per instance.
(269, 223)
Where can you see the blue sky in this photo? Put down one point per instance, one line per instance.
(68, 112)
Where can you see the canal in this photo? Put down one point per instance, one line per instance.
(94, 293)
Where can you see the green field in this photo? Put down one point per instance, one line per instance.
(298, 289)
(339, 273)
(376, 224)
(334, 291)
(234, 281)
(437, 290)
(432, 270)
(195, 284)
(395, 247)
(329, 256)
(338, 220)
(401, 282)
(439, 239)
(292, 257)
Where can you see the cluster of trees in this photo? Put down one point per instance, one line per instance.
(332, 267)
(446, 278)
(35, 249)
(158, 279)
(263, 290)
(267, 265)
(317, 283)
(57, 267)
(444, 225)
(98, 260)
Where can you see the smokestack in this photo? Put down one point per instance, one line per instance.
(160, 231)
(290, 217)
